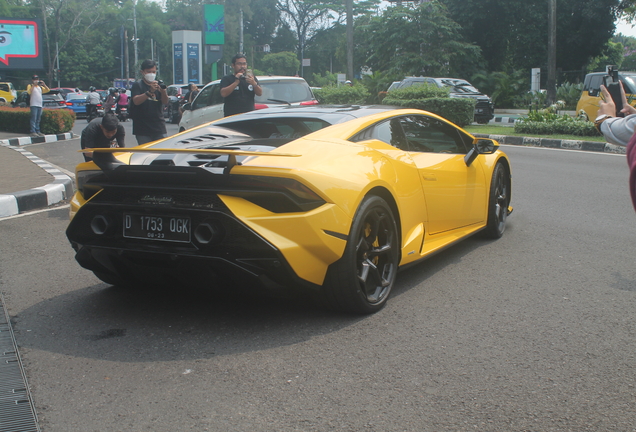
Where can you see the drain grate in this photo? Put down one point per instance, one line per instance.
(17, 413)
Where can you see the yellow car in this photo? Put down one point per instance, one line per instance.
(7, 92)
(588, 104)
(332, 199)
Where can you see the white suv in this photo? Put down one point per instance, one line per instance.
(277, 90)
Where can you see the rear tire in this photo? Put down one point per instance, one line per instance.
(361, 281)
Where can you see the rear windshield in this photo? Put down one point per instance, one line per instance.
(287, 91)
(289, 128)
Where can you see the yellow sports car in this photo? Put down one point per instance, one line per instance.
(333, 199)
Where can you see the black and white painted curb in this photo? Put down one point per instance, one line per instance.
(36, 140)
(504, 120)
(594, 146)
(55, 192)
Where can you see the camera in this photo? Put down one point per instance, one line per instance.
(162, 84)
(613, 86)
(243, 77)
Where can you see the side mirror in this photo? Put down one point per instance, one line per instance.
(187, 106)
(480, 146)
(593, 93)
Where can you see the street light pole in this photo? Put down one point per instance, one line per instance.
(135, 27)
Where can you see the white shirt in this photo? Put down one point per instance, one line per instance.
(36, 96)
(93, 98)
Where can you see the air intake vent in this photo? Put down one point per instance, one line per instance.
(202, 139)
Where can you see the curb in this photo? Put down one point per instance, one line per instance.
(593, 146)
(59, 190)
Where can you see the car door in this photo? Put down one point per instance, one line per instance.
(455, 193)
(207, 106)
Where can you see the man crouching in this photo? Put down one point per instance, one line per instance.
(105, 132)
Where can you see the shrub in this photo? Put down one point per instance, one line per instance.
(457, 110)
(53, 121)
(549, 123)
(57, 121)
(356, 95)
(420, 92)
(570, 94)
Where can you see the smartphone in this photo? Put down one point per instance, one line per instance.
(612, 83)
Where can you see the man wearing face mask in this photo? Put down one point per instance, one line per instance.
(146, 108)
(35, 91)
(238, 89)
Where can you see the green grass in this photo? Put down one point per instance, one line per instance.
(507, 130)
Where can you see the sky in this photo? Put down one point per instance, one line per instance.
(626, 29)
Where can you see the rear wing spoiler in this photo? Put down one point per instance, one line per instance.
(105, 159)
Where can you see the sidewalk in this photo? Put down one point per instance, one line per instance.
(27, 182)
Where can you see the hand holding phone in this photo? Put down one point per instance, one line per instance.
(614, 89)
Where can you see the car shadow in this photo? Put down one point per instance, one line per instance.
(185, 323)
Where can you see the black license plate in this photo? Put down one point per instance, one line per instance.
(151, 227)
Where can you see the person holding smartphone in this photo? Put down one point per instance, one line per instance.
(240, 88)
(619, 130)
(616, 130)
(147, 97)
(35, 90)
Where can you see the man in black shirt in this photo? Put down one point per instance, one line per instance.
(105, 132)
(238, 89)
(146, 109)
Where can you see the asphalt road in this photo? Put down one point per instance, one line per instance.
(532, 332)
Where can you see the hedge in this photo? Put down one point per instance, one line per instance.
(460, 111)
(356, 95)
(54, 121)
(554, 127)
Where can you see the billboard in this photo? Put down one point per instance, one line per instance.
(20, 44)
(178, 63)
(213, 24)
(193, 63)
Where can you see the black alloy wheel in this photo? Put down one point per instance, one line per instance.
(499, 200)
(362, 280)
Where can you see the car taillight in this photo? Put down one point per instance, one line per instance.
(67, 103)
(260, 106)
(311, 102)
(60, 103)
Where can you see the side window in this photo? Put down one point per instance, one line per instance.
(388, 131)
(216, 97)
(595, 82)
(208, 96)
(427, 134)
(202, 99)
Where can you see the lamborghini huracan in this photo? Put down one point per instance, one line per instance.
(329, 199)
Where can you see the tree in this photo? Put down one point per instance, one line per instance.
(306, 17)
(513, 34)
(420, 40)
(283, 63)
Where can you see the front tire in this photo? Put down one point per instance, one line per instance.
(361, 281)
(498, 202)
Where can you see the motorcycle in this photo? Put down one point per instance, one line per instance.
(92, 111)
(122, 113)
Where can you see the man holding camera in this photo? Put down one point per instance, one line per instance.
(146, 110)
(238, 89)
(35, 90)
